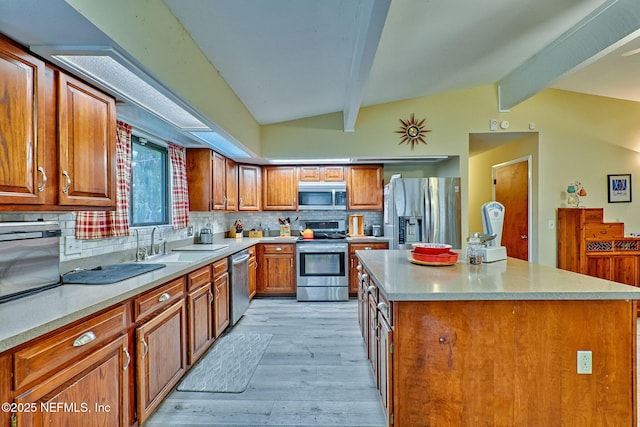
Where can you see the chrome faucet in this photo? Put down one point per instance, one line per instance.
(153, 246)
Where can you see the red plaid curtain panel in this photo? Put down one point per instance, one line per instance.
(100, 225)
(179, 191)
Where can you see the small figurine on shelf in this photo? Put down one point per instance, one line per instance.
(575, 190)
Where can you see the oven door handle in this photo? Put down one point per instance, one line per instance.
(315, 249)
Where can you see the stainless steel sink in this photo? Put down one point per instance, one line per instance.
(175, 257)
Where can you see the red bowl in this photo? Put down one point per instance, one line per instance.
(431, 248)
(449, 257)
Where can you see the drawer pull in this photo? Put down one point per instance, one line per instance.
(359, 267)
(367, 248)
(164, 297)
(126, 354)
(371, 288)
(603, 231)
(383, 306)
(44, 179)
(83, 339)
(65, 190)
(211, 298)
(145, 348)
(278, 249)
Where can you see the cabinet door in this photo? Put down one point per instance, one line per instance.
(218, 182)
(599, 266)
(364, 187)
(221, 304)
(309, 173)
(253, 276)
(199, 179)
(625, 269)
(249, 188)
(95, 390)
(373, 337)
(279, 188)
(332, 173)
(232, 185)
(161, 357)
(200, 314)
(22, 114)
(86, 134)
(385, 379)
(353, 260)
(276, 269)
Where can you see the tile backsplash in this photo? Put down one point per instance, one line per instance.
(220, 223)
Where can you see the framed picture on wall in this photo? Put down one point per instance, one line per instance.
(619, 188)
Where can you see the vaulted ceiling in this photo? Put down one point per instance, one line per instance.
(289, 59)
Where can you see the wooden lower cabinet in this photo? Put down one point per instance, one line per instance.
(161, 357)
(353, 261)
(91, 392)
(221, 304)
(253, 272)
(200, 314)
(6, 394)
(276, 269)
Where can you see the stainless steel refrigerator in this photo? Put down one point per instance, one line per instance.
(422, 210)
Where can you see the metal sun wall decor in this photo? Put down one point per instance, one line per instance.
(412, 131)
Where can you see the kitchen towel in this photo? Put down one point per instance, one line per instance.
(228, 366)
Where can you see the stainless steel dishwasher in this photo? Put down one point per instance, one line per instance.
(239, 298)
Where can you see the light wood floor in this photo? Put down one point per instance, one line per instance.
(314, 373)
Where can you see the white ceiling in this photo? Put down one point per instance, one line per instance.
(289, 59)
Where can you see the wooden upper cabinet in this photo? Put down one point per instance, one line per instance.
(279, 188)
(364, 187)
(199, 178)
(22, 127)
(86, 137)
(249, 188)
(218, 182)
(321, 173)
(231, 188)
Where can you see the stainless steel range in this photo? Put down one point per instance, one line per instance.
(322, 263)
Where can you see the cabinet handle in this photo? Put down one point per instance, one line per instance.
(367, 248)
(126, 353)
(164, 297)
(145, 348)
(365, 276)
(371, 288)
(359, 267)
(383, 306)
(211, 297)
(278, 249)
(65, 190)
(44, 179)
(83, 339)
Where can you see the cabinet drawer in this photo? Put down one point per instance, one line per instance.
(593, 215)
(605, 231)
(56, 351)
(198, 278)
(385, 308)
(277, 249)
(219, 267)
(252, 251)
(353, 247)
(159, 298)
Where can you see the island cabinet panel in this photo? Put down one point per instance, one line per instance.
(279, 188)
(354, 280)
(87, 137)
(513, 363)
(22, 114)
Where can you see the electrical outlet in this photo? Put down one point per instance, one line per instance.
(584, 362)
(72, 246)
(552, 224)
(493, 124)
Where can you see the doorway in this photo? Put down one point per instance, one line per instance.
(511, 187)
(491, 150)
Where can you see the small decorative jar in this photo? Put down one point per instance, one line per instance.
(474, 249)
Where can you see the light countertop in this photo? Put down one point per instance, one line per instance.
(511, 279)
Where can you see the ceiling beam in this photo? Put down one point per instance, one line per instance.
(370, 20)
(605, 29)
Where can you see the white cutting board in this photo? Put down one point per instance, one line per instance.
(202, 247)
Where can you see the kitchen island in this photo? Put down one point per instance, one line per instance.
(497, 344)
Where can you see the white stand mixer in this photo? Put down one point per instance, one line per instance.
(492, 222)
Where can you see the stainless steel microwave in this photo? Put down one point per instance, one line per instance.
(322, 195)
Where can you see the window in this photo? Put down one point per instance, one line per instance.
(149, 183)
